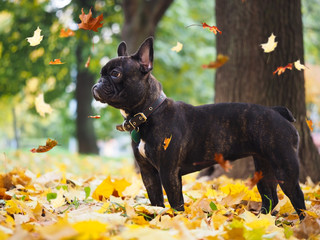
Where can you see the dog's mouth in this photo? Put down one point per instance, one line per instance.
(106, 94)
(97, 96)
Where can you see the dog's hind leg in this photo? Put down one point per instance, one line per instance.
(288, 178)
(267, 186)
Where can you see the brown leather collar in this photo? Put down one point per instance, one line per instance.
(141, 117)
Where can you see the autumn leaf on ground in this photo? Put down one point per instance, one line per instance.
(270, 45)
(87, 62)
(310, 124)
(225, 164)
(96, 116)
(220, 61)
(90, 23)
(65, 34)
(56, 62)
(49, 145)
(213, 29)
(36, 38)
(254, 180)
(178, 47)
(281, 70)
(42, 107)
(166, 142)
(298, 65)
(110, 187)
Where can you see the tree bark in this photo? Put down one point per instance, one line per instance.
(141, 19)
(248, 75)
(87, 142)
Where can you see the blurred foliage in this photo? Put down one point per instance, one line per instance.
(25, 71)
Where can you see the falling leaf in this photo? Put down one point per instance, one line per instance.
(90, 23)
(36, 38)
(298, 65)
(42, 107)
(65, 34)
(96, 116)
(270, 45)
(213, 29)
(225, 164)
(281, 70)
(49, 145)
(255, 179)
(166, 143)
(178, 47)
(88, 62)
(56, 62)
(220, 61)
(310, 124)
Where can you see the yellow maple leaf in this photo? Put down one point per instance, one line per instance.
(178, 47)
(12, 207)
(298, 65)
(90, 229)
(42, 107)
(36, 38)
(270, 45)
(110, 187)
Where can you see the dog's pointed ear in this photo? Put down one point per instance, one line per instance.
(122, 49)
(145, 55)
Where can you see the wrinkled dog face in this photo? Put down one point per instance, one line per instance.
(123, 79)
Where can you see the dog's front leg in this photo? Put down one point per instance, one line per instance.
(172, 184)
(151, 180)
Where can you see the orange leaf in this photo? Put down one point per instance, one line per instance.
(65, 34)
(90, 23)
(310, 124)
(56, 62)
(49, 145)
(88, 62)
(213, 29)
(220, 61)
(96, 116)
(281, 70)
(255, 179)
(225, 164)
(166, 143)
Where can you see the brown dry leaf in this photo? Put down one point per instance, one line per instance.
(225, 164)
(65, 34)
(166, 142)
(254, 180)
(219, 62)
(90, 23)
(49, 145)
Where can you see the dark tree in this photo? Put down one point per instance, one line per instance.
(141, 19)
(248, 75)
(87, 141)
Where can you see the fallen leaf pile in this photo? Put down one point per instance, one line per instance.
(61, 205)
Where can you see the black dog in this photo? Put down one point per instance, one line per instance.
(171, 138)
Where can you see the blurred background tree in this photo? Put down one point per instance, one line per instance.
(25, 71)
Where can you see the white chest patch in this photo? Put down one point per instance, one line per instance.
(123, 113)
(142, 148)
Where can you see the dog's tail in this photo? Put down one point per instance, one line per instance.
(284, 112)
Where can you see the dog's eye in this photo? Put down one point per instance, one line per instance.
(115, 74)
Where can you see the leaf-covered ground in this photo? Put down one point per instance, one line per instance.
(85, 197)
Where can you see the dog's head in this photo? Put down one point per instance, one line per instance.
(124, 80)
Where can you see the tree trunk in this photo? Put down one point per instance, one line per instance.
(248, 75)
(141, 19)
(87, 142)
